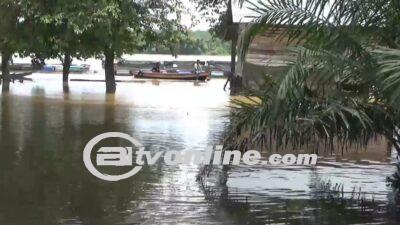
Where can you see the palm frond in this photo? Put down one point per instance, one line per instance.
(337, 24)
(337, 91)
(389, 72)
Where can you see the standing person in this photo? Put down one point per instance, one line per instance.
(229, 76)
(156, 68)
(198, 68)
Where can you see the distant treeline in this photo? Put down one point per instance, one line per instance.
(195, 43)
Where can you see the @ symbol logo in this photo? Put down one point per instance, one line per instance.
(111, 156)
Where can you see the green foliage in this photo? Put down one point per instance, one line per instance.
(128, 26)
(10, 26)
(193, 43)
(86, 28)
(341, 89)
(58, 27)
(389, 73)
(219, 14)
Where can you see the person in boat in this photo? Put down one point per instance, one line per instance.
(198, 68)
(156, 68)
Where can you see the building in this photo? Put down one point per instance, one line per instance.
(266, 54)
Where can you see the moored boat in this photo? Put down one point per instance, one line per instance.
(172, 75)
(59, 68)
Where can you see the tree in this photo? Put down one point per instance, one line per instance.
(341, 88)
(225, 28)
(63, 27)
(123, 26)
(72, 34)
(10, 25)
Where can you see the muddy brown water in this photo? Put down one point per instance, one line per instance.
(43, 180)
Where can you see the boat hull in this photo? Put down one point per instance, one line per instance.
(173, 76)
(72, 69)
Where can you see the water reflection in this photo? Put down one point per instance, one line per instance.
(43, 181)
(43, 132)
(42, 177)
(336, 192)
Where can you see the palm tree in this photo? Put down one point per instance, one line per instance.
(341, 88)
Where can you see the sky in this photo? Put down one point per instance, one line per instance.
(239, 15)
(186, 18)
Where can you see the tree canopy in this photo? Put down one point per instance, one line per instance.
(87, 28)
(11, 26)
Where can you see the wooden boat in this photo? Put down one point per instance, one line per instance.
(172, 75)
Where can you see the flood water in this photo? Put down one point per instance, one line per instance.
(43, 180)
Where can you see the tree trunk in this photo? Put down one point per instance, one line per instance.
(233, 36)
(233, 55)
(235, 81)
(5, 71)
(66, 67)
(109, 71)
(236, 85)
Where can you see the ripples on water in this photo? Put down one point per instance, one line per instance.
(43, 180)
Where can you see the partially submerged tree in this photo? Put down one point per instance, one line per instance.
(64, 30)
(10, 26)
(123, 26)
